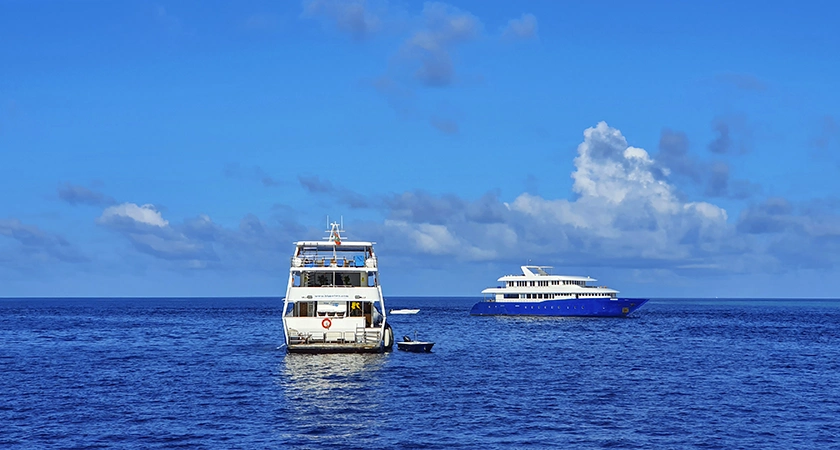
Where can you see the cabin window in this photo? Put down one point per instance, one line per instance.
(355, 309)
(304, 309)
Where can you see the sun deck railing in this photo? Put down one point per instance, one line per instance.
(329, 261)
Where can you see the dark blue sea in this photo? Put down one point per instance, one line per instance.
(208, 373)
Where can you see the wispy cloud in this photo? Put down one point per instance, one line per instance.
(354, 17)
(674, 158)
(733, 135)
(236, 171)
(827, 134)
(429, 49)
(522, 28)
(37, 246)
(80, 195)
(425, 59)
(316, 185)
(675, 162)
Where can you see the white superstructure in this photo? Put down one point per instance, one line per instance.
(536, 284)
(334, 301)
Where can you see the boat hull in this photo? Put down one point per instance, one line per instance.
(336, 348)
(415, 347)
(590, 307)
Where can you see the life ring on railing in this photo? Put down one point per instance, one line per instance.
(326, 323)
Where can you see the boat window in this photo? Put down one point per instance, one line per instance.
(355, 309)
(304, 309)
(348, 279)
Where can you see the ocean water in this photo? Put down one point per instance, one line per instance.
(207, 373)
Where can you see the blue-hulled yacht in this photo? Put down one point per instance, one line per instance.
(538, 293)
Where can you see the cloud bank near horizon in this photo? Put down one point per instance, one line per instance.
(626, 210)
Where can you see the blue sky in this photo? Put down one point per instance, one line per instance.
(669, 149)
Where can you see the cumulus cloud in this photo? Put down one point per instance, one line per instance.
(430, 48)
(80, 195)
(524, 27)
(353, 17)
(625, 214)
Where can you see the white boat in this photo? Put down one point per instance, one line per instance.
(536, 292)
(334, 302)
(404, 311)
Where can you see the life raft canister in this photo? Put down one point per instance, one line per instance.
(326, 323)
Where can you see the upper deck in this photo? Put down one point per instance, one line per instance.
(539, 272)
(333, 252)
(537, 279)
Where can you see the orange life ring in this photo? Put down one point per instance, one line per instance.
(326, 323)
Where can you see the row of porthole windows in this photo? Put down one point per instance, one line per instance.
(544, 283)
(551, 296)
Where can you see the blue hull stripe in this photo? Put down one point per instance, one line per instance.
(590, 307)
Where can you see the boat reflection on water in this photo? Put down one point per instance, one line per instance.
(331, 373)
(329, 397)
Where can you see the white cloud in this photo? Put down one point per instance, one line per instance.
(146, 214)
(623, 208)
(623, 212)
(607, 167)
(438, 240)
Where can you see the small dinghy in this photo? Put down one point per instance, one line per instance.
(403, 311)
(415, 346)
